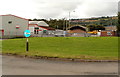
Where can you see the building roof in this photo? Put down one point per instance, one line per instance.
(39, 23)
(46, 27)
(15, 16)
(111, 27)
(78, 27)
(33, 22)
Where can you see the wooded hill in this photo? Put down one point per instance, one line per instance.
(98, 21)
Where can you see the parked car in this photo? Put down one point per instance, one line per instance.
(59, 33)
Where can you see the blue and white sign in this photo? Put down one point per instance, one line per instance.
(27, 33)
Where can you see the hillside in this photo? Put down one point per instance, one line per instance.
(104, 21)
(63, 23)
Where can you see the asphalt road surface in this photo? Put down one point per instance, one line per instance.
(25, 66)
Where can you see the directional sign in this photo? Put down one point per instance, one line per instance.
(27, 33)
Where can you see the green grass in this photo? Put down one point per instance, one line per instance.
(100, 48)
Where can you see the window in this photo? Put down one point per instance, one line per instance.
(17, 27)
(9, 22)
(36, 28)
(35, 31)
(109, 33)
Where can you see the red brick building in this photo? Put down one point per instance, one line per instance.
(77, 29)
(108, 33)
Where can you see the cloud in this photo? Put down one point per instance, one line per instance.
(119, 6)
(100, 8)
(59, 8)
(23, 8)
(83, 8)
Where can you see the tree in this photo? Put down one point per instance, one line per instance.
(118, 25)
(95, 27)
(91, 27)
(98, 27)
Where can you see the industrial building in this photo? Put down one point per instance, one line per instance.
(38, 27)
(12, 26)
(77, 31)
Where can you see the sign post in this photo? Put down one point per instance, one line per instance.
(27, 34)
(27, 45)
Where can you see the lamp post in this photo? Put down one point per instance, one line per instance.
(70, 18)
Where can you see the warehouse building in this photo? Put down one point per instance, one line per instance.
(109, 31)
(38, 27)
(12, 26)
(77, 31)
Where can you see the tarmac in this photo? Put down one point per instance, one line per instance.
(12, 65)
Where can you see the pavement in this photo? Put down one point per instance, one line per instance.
(25, 66)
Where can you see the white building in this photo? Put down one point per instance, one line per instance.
(37, 27)
(12, 26)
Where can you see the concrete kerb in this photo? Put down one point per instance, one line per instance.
(57, 58)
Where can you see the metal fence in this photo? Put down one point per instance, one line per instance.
(78, 35)
(62, 35)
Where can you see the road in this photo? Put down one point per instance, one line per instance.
(26, 66)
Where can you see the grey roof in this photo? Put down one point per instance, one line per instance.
(39, 23)
(33, 22)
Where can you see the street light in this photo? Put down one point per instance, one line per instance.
(70, 17)
(69, 20)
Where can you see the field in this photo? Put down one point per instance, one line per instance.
(92, 48)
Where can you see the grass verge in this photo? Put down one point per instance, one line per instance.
(88, 48)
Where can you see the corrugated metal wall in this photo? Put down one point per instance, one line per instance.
(9, 24)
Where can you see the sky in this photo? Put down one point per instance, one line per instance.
(119, 6)
(47, 9)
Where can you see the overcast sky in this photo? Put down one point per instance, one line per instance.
(59, 8)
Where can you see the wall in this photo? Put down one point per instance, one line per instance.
(76, 31)
(111, 28)
(10, 28)
(32, 26)
(0, 26)
(108, 33)
(31, 30)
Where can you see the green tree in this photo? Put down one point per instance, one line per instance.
(118, 25)
(95, 27)
(91, 27)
